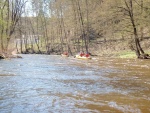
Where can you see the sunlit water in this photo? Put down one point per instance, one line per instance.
(55, 84)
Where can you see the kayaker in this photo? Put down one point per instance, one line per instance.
(65, 53)
(87, 55)
(82, 53)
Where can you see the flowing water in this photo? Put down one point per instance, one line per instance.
(55, 84)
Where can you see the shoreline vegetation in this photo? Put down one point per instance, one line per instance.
(109, 49)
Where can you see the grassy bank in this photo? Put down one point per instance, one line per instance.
(127, 54)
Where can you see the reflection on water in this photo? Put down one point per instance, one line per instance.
(53, 84)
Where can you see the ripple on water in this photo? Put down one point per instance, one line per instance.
(124, 108)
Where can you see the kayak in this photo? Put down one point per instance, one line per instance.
(82, 57)
(64, 55)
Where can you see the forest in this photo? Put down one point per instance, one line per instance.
(99, 27)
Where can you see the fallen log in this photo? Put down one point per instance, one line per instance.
(15, 56)
(6, 55)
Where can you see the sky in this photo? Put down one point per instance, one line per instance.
(29, 11)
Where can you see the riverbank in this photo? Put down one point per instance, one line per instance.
(118, 48)
(111, 49)
(122, 54)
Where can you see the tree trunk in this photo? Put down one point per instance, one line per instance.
(138, 49)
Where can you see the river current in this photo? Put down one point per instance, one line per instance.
(55, 84)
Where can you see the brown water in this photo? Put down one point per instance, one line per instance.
(53, 84)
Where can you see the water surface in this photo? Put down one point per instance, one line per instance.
(55, 84)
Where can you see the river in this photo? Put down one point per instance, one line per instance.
(55, 84)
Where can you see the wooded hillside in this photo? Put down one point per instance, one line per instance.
(96, 26)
